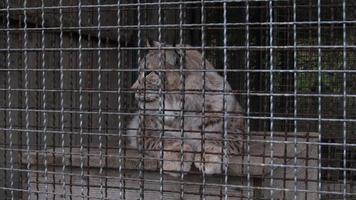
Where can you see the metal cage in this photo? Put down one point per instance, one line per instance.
(66, 99)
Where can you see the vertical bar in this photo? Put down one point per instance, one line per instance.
(71, 118)
(295, 96)
(248, 99)
(225, 157)
(25, 38)
(344, 55)
(121, 156)
(88, 126)
(106, 148)
(271, 91)
(64, 193)
(37, 116)
(9, 97)
(182, 96)
(80, 99)
(141, 129)
(19, 40)
(6, 131)
(100, 102)
(44, 103)
(203, 139)
(319, 100)
(161, 100)
(54, 123)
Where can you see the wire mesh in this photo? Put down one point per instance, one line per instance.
(135, 99)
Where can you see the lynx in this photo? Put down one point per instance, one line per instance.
(158, 91)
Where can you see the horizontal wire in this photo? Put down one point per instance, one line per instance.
(133, 4)
(133, 114)
(176, 26)
(109, 69)
(175, 3)
(289, 47)
(211, 92)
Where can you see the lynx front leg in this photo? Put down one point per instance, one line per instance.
(210, 159)
(213, 158)
(173, 163)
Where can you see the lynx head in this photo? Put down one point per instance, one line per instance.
(158, 71)
(161, 68)
(171, 62)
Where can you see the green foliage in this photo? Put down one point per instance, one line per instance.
(331, 81)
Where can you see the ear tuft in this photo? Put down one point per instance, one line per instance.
(149, 42)
(157, 44)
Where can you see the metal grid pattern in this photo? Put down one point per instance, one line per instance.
(66, 73)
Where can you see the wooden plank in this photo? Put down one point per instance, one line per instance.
(171, 186)
(283, 149)
(283, 175)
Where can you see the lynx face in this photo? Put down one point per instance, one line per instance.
(159, 82)
(160, 70)
(147, 87)
(154, 97)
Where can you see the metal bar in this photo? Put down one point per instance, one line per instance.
(295, 102)
(63, 141)
(44, 99)
(248, 90)
(271, 88)
(225, 147)
(9, 98)
(344, 65)
(203, 138)
(29, 189)
(81, 100)
(182, 97)
(119, 108)
(141, 129)
(100, 101)
(319, 98)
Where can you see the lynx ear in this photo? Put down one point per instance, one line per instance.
(178, 53)
(151, 43)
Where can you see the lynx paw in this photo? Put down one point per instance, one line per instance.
(172, 164)
(212, 162)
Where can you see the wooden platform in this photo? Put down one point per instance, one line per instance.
(282, 186)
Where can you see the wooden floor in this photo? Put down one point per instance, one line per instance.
(172, 188)
(192, 186)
